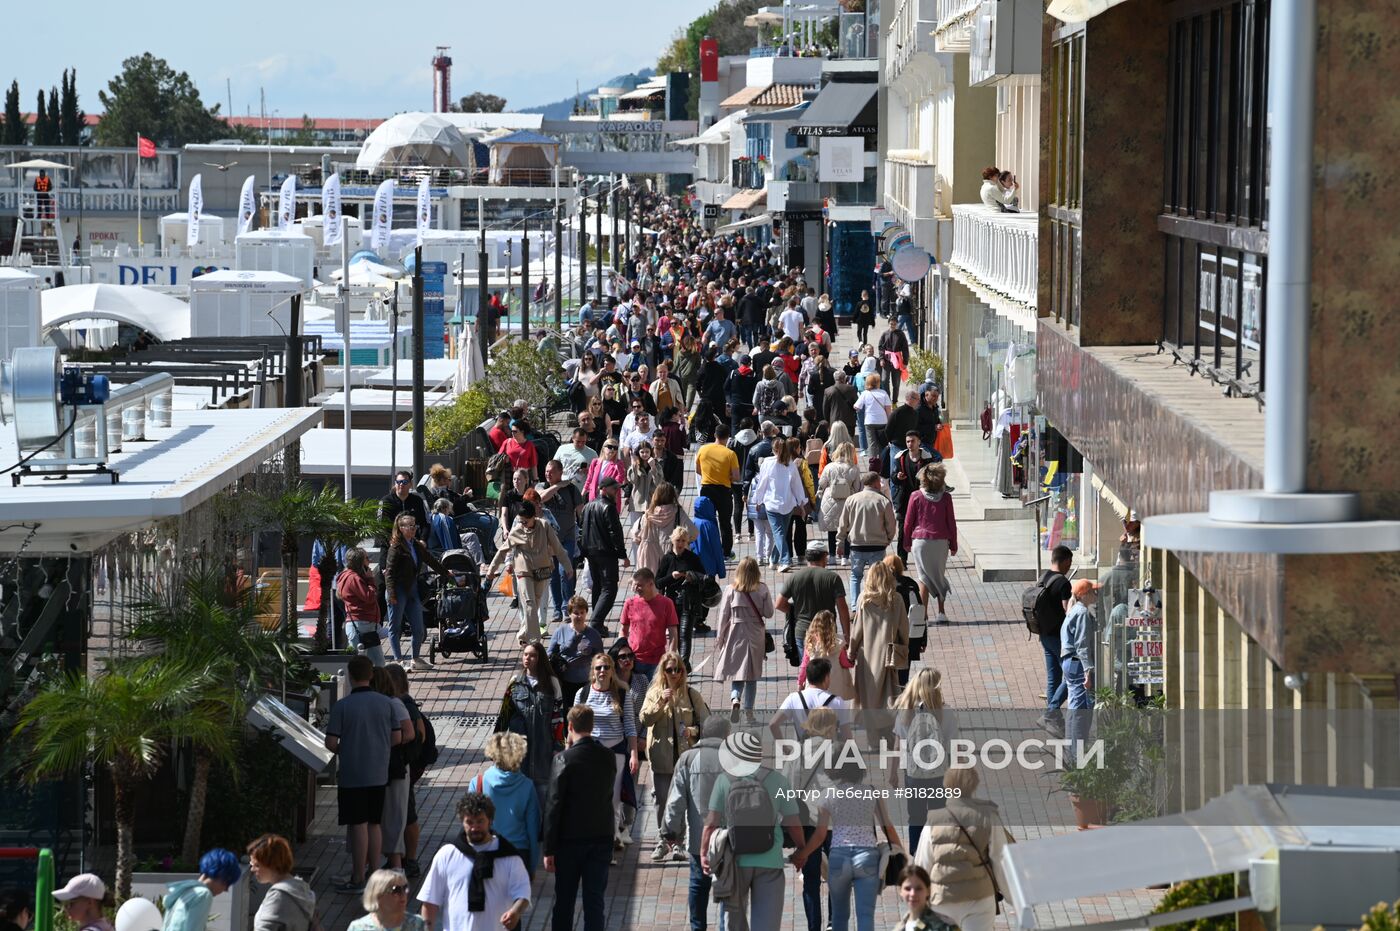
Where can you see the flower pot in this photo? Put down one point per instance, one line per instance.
(1089, 812)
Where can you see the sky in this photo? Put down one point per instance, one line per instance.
(353, 60)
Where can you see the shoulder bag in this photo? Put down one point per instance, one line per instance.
(984, 860)
(768, 645)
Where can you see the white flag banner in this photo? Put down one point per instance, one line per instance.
(287, 203)
(383, 214)
(425, 210)
(247, 206)
(330, 210)
(193, 210)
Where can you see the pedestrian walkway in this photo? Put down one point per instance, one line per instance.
(987, 664)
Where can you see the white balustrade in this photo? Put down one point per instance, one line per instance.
(997, 250)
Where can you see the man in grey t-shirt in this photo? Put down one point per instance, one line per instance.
(363, 728)
(562, 499)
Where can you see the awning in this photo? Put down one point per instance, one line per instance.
(841, 109)
(763, 219)
(1223, 836)
(777, 116)
(765, 95)
(746, 199)
(717, 134)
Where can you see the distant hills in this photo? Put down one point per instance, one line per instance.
(563, 109)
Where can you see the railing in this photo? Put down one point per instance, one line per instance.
(438, 177)
(911, 188)
(955, 22)
(116, 200)
(997, 250)
(910, 34)
(858, 36)
(747, 174)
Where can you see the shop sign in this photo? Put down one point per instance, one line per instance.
(798, 216)
(711, 211)
(1147, 649)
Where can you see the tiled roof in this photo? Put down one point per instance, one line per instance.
(746, 199)
(771, 95)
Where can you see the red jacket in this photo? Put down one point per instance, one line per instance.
(926, 519)
(498, 437)
(358, 593)
(521, 455)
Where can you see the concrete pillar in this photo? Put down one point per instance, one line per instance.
(1253, 717)
(1184, 595)
(1230, 665)
(1207, 619)
(1381, 735)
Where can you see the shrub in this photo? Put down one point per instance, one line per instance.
(921, 360)
(444, 426)
(1195, 892)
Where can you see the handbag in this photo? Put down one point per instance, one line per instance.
(768, 645)
(896, 656)
(984, 861)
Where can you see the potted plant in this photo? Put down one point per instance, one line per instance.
(1128, 782)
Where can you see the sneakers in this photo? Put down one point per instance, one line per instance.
(942, 618)
(762, 562)
(624, 839)
(734, 711)
(411, 868)
(421, 665)
(350, 887)
(679, 853)
(660, 852)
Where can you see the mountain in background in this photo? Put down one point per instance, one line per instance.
(563, 109)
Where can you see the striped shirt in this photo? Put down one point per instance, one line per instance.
(607, 728)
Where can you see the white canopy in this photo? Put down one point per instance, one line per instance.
(718, 133)
(364, 265)
(41, 163)
(162, 316)
(236, 280)
(414, 139)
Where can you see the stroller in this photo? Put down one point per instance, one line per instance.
(460, 612)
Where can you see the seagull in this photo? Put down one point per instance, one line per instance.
(218, 166)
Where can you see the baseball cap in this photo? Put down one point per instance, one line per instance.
(82, 886)
(608, 482)
(744, 358)
(1079, 587)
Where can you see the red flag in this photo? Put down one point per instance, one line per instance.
(145, 148)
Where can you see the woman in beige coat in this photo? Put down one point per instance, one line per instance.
(961, 848)
(533, 546)
(652, 533)
(739, 639)
(879, 644)
(672, 714)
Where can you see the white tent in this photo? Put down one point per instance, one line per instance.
(415, 139)
(161, 315)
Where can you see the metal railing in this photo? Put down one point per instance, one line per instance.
(997, 250)
(909, 34)
(954, 23)
(440, 177)
(748, 174)
(115, 200)
(911, 189)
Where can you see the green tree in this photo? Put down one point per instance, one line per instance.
(55, 126)
(481, 102)
(124, 721)
(306, 133)
(204, 623)
(70, 117)
(725, 24)
(355, 521)
(152, 99)
(41, 122)
(14, 132)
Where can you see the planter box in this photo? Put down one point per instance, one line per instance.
(229, 911)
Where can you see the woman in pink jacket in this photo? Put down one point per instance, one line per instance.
(606, 464)
(931, 534)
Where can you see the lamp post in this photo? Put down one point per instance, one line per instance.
(525, 279)
(482, 281)
(582, 248)
(612, 212)
(419, 450)
(598, 239)
(558, 267)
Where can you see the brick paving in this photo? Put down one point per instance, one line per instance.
(987, 663)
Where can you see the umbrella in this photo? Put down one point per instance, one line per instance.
(41, 163)
(366, 266)
(414, 139)
(469, 367)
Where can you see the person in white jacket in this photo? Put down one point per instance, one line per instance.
(778, 491)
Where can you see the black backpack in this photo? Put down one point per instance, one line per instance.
(428, 749)
(750, 815)
(1036, 606)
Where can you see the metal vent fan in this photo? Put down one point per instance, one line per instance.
(32, 394)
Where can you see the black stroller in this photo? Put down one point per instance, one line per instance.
(460, 612)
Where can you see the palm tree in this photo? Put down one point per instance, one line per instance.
(202, 623)
(296, 512)
(123, 720)
(357, 521)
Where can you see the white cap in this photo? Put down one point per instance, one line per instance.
(82, 886)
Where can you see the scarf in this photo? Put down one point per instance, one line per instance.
(483, 867)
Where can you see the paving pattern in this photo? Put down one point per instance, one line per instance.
(987, 664)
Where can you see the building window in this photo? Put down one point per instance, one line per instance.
(1067, 175)
(1215, 192)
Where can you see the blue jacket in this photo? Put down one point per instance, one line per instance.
(708, 544)
(442, 535)
(517, 811)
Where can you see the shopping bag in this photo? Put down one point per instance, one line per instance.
(943, 441)
(507, 585)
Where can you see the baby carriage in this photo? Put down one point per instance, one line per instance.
(460, 611)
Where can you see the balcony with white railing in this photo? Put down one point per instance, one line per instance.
(996, 251)
(910, 34)
(913, 196)
(955, 22)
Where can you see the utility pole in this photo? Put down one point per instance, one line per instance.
(612, 211)
(525, 280)
(598, 237)
(582, 247)
(482, 281)
(558, 268)
(419, 454)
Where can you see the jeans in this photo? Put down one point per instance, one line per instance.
(580, 863)
(407, 607)
(919, 807)
(1054, 678)
(858, 868)
(744, 692)
(778, 526)
(561, 586)
(861, 560)
(739, 508)
(353, 629)
(812, 881)
(699, 899)
(603, 569)
(860, 430)
(723, 498)
(1081, 703)
(749, 333)
(797, 536)
(906, 323)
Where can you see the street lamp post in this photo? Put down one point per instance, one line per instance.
(482, 280)
(598, 239)
(612, 212)
(558, 267)
(582, 248)
(525, 279)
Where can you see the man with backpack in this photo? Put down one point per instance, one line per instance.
(753, 803)
(1043, 605)
(804, 701)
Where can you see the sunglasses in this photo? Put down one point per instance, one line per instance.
(625, 657)
(610, 446)
(672, 670)
(600, 669)
(400, 481)
(400, 889)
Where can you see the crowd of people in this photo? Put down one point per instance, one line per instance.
(832, 468)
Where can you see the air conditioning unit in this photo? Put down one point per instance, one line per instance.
(1005, 41)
